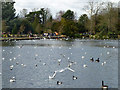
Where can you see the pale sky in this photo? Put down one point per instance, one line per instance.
(55, 5)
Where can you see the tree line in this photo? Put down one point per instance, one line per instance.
(101, 20)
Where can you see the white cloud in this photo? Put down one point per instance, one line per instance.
(54, 5)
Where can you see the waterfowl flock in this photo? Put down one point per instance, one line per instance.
(64, 63)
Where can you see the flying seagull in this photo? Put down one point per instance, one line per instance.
(62, 70)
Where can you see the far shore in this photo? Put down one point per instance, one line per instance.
(51, 37)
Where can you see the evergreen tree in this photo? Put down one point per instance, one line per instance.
(69, 15)
(38, 28)
(22, 28)
(35, 23)
(14, 31)
(4, 26)
(8, 11)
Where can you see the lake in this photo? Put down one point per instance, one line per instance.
(31, 62)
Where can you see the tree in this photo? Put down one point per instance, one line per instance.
(12, 23)
(59, 15)
(14, 31)
(108, 18)
(8, 14)
(51, 18)
(42, 17)
(118, 24)
(69, 15)
(55, 26)
(26, 26)
(8, 11)
(93, 8)
(22, 28)
(111, 16)
(4, 27)
(39, 29)
(23, 13)
(35, 23)
(82, 22)
(69, 28)
(48, 24)
(68, 25)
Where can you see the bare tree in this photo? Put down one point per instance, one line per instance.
(23, 13)
(93, 9)
(109, 10)
(59, 15)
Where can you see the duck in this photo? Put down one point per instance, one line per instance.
(104, 87)
(74, 78)
(98, 60)
(59, 83)
(92, 59)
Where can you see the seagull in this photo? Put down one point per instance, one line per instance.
(12, 79)
(84, 65)
(14, 58)
(103, 63)
(113, 47)
(3, 58)
(83, 57)
(108, 52)
(20, 46)
(11, 67)
(59, 60)
(44, 63)
(62, 70)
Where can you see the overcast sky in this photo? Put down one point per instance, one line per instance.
(54, 5)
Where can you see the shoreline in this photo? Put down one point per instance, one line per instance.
(53, 37)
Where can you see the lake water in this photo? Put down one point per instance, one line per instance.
(33, 61)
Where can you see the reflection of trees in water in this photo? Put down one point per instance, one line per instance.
(8, 43)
